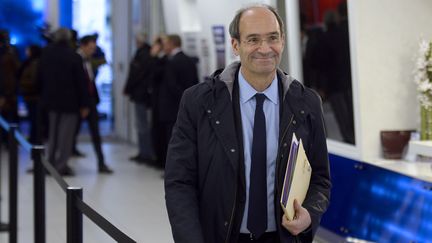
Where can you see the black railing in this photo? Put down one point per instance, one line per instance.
(75, 206)
(3, 226)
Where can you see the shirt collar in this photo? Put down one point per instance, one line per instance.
(81, 53)
(247, 91)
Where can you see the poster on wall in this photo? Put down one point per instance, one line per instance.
(205, 53)
(219, 42)
(190, 43)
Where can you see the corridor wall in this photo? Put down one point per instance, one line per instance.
(384, 37)
(197, 18)
(384, 41)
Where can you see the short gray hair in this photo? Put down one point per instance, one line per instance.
(62, 35)
(234, 27)
(175, 40)
(141, 36)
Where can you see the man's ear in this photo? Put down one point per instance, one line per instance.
(235, 46)
(283, 41)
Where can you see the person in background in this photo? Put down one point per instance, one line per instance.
(2, 78)
(228, 153)
(336, 70)
(74, 43)
(9, 65)
(137, 88)
(28, 87)
(64, 95)
(180, 73)
(158, 67)
(98, 58)
(87, 47)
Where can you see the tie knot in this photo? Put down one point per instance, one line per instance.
(259, 97)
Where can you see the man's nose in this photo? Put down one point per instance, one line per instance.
(264, 45)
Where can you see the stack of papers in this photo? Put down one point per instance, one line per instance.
(297, 178)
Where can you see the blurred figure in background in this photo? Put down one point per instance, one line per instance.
(180, 73)
(158, 67)
(137, 88)
(2, 82)
(336, 70)
(28, 87)
(3, 50)
(74, 43)
(87, 48)
(9, 65)
(64, 95)
(98, 58)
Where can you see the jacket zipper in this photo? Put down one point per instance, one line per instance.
(286, 129)
(279, 154)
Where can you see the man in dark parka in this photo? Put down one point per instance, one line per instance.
(208, 179)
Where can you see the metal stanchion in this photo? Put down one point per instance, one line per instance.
(39, 194)
(13, 184)
(3, 226)
(74, 215)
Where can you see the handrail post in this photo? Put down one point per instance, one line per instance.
(3, 226)
(39, 194)
(13, 184)
(74, 215)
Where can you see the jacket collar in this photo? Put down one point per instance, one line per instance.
(228, 75)
(292, 92)
(219, 107)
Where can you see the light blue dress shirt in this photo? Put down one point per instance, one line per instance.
(271, 111)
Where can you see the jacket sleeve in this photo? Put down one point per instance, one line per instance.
(181, 186)
(317, 198)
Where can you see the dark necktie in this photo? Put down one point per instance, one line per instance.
(257, 214)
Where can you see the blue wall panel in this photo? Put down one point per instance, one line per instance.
(23, 19)
(66, 13)
(376, 204)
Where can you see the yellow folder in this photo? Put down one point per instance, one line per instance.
(297, 178)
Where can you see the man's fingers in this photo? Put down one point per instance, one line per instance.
(297, 206)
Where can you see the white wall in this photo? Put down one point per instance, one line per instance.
(211, 14)
(51, 13)
(199, 16)
(171, 15)
(129, 17)
(122, 32)
(386, 40)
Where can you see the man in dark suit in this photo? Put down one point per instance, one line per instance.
(87, 47)
(180, 73)
(64, 96)
(138, 89)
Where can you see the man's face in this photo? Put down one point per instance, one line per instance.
(89, 49)
(167, 45)
(261, 43)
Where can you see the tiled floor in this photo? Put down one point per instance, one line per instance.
(132, 198)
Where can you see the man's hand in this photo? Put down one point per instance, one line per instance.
(301, 220)
(84, 112)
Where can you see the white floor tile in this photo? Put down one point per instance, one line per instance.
(132, 198)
